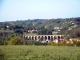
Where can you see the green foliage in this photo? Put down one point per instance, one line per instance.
(65, 44)
(20, 27)
(18, 31)
(77, 33)
(5, 42)
(60, 44)
(33, 42)
(15, 41)
(2, 55)
(76, 43)
(1, 42)
(23, 52)
(45, 32)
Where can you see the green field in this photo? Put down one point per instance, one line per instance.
(23, 52)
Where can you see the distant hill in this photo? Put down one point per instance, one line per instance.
(70, 27)
(49, 23)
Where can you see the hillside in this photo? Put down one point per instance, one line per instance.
(64, 23)
(70, 27)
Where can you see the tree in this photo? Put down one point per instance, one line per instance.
(77, 33)
(45, 32)
(18, 31)
(15, 41)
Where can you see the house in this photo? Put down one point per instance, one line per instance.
(31, 31)
(56, 27)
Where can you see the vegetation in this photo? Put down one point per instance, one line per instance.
(70, 27)
(2, 54)
(13, 33)
(33, 42)
(45, 32)
(15, 41)
(23, 52)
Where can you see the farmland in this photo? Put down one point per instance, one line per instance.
(23, 52)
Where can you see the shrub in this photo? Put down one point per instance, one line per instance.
(33, 42)
(1, 55)
(15, 41)
(53, 44)
(76, 43)
(6, 42)
(60, 44)
(1, 42)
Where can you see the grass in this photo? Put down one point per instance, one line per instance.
(23, 52)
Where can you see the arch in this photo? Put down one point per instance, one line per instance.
(48, 37)
(51, 38)
(32, 37)
(55, 37)
(35, 37)
(45, 37)
(42, 38)
(26, 37)
(58, 38)
(29, 37)
(62, 37)
(38, 37)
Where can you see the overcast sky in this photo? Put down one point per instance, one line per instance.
(12, 10)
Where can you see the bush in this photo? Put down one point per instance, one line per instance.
(15, 41)
(1, 42)
(33, 42)
(76, 43)
(60, 44)
(53, 44)
(6, 42)
(1, 55)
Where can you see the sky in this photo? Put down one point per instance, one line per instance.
(12, 10)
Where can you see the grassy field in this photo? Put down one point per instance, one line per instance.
(23, 52)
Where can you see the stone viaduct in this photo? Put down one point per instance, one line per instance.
(45, 38)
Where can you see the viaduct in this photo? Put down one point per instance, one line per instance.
(45, 38)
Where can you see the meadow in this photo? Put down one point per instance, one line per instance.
(23, 52)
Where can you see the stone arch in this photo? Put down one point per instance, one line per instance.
(26, 37)
(51, 38)
(48, 37)
(62, 37)
(29, 37)
(55, 37)
(58, 38)
(32, 37)
(38, 37)
(42, 38)
(45, 37)
(35, 37)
